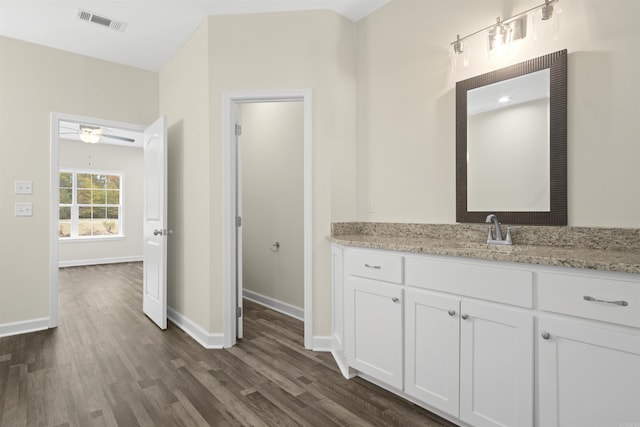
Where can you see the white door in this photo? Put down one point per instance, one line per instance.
(374, 329)
(496, 366)
(154, 295)
(432, 343)
(589, 376)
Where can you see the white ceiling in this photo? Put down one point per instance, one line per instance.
(156, 29)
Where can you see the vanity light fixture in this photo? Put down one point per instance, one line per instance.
(503, 32)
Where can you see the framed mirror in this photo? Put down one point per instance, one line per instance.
(511, 143)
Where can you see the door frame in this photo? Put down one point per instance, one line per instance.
(230, 166)
(54, 196)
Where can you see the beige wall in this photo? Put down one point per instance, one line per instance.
(110, 158)
(35, 81)
(406, 101)
(184, 98)
(290, 51)
(272, 200)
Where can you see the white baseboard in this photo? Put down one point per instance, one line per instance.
(195, 331)
(322, 343)
(114, 260)
(274, 304)
(23, 327)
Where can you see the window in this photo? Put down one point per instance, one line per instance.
(90, 204)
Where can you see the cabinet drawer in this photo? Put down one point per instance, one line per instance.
(509, 286)
(374, 265)
(565, 294)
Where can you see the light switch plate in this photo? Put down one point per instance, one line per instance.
(24, 209)
(24, 187)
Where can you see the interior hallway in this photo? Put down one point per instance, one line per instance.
(107, 364)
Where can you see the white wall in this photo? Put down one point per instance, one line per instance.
(291, 51)
(112, 158)
(184, 98)
(406, 105)
(272, 200)
(35, 81)
(245, 52)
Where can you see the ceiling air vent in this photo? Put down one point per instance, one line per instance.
(87, 16)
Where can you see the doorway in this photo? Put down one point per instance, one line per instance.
(271, 187)
(233, 249)
(108, 201)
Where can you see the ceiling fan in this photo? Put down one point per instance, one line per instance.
(93, 134)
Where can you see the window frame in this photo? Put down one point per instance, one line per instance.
(75, 206)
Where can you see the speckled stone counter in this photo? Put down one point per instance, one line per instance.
(606, 249)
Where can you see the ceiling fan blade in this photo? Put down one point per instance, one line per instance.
(121, 138)
(68, 133)
(75, 130)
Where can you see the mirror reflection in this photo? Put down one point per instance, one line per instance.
(508, 145)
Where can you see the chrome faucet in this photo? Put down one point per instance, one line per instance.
(498, 240)
(494, 219)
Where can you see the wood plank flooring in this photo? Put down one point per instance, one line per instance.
(107, 364)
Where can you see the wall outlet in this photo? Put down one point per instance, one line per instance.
(24, 187)
(371, 205)
(24, 209)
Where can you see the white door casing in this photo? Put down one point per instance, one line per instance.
(232, 290)
(154, 294)
(54, 200)
(239, 265)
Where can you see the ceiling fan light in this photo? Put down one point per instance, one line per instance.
(89, 137)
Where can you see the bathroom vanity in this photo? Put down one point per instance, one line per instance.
(525, 335)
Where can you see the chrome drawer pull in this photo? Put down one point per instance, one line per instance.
(376, 267)
(451, 312)
(395, 299)
(622, 303)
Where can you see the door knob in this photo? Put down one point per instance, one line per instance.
(451, 312)
(464, 316)
(546, 335)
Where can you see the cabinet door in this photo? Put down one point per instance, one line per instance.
(496, 366)
(432, 349)
(337, 294)
(373, 334)
(588, 376)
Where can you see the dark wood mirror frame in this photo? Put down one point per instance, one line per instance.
(557, 64)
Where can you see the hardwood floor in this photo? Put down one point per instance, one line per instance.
(107, 364)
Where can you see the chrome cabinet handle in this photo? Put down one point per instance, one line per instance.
(464, 316)
(157, 232)
(375, 267)
(545, 335)
(395, 299)
(451, 312)
(621, 303)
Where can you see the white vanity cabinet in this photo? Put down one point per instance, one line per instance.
(487, 343)
(470, 358)
(373, 315)
(589, 371)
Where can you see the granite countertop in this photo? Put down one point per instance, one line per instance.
(577, 248)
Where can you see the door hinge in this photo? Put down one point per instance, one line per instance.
(238, 221)
(238, 130)
(238, 311)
